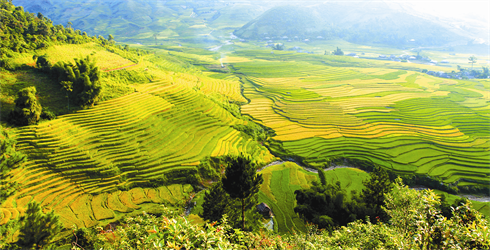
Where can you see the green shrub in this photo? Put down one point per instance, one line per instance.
(27, 109)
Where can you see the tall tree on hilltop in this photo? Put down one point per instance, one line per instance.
(241, 180)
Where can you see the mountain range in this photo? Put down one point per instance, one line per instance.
(198, 21)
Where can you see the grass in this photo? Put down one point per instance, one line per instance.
(277, 191)
(350, 178)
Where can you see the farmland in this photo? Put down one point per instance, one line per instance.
(398, 118)
(155, 136)
(280, 182)
(111, 158)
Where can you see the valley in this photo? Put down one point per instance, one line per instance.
(173, 105)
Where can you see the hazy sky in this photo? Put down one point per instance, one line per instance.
(480, 8)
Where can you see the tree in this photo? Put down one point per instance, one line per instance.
(373, 195)
(459, 68)
(67, 86)
(241, 180)
(84, 77)
(216, 202)
(338, 52)
(111, 39)
(37, 229)
(155, 35)
(325, 205)
(278, 46)
(9, 159)
(472, 60)
(27, 109)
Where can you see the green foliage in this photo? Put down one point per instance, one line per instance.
(424, 229)
(7, 234)
(210, 168)
(23, 31)
(254, 131)
(37, 229)
(216, 202)
(241, 180)
(278, 46)
(417, 218)
(85, 238)
(338, 52)
(376, 187)
(27, 109)
(328, 205)
(325, 205)
(9, 159)
(81, 81)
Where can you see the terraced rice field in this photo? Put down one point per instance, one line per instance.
(277, 191)
(84, 159)
(403, 120)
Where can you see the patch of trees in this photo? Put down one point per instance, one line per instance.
(81, 80)
(235, 195)
(338, 52)
(21, 31)
(28, 110)
(329, 206)
(278, 46)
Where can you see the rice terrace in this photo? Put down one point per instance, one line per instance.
(254, 125)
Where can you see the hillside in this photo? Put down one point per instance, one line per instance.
(142, 21)
(160, 114)
(364, 22)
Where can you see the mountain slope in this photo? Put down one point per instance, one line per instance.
(364, 22)
(138, 21)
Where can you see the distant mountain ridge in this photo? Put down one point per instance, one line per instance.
(200, 21)
(138, 20)
(359, 22)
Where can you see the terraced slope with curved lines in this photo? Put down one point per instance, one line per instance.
(403, 120)
(84, 159)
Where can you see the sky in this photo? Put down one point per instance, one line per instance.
(480, 8)
(460, 8)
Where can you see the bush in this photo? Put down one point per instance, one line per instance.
(27, 109)
(47, 115)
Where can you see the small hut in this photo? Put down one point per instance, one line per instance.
(264, 209)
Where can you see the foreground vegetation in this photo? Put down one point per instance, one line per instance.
(414, 222)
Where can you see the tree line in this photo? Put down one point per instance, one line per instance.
(21, 31)
(329, 206)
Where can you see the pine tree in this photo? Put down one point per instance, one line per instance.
(241, 180)
(216, 202)
(9, 158)
(37, 228)
(373, 195)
